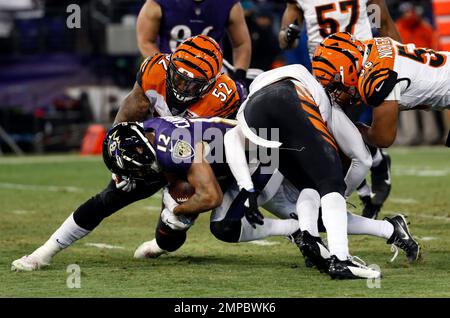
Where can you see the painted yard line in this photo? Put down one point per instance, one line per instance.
(263, 243)
(103, 245)
(47, 159)
(19, 186)
(420, 172)
(403, 200)
(427, 238)
(22, 212)
(433, 217)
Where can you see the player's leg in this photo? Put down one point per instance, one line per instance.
(308, 149)
(166, 240)
(229, 224)
(85, 219)
(394, 229)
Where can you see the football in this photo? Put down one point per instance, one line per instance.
(181, 190)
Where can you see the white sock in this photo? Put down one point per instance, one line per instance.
(361, 225)
(364, 191)
(307, 207)
(271, 227)
(64, 236)
(334, 216)
(377, 158)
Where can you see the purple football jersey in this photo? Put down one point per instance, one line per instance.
(175, 139)
(185, 18)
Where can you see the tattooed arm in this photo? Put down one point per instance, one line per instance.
(135, 106)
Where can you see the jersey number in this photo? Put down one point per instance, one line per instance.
(165, 142)
(419, 55)
(329, 26)
(221, 95)
(181, 32)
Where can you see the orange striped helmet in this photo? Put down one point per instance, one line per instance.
(193, 68)
(337, 63)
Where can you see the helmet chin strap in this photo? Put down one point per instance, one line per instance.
(341, 71)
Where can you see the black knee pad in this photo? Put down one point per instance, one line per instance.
(330, 185)
(226, 230)
(169, 239)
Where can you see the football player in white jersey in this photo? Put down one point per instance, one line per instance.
(289, 102)
(325, 17)
(385, 74)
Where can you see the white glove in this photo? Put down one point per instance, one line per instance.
(176, 222)
(124, 183)
(168, 201)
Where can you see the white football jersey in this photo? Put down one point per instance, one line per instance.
(417, 78)
(345, 133)
(325, 17)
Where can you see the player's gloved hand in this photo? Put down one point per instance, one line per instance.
(124, 183)
(252, 213)
(176, 222)
(242, 90)
(239, 77)
(168, 201)
(291, 34)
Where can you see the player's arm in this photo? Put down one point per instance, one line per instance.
(147, 28)
(352, 145)
(383, 131)
(234, 141)
(134, 107)
(387, 25)
(291, 14)
(240, 38)
(208, 194)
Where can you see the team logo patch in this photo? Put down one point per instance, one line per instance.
(182, 150)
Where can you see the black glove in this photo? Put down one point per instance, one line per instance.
(252, 213)
(291, 33)
(240, 79)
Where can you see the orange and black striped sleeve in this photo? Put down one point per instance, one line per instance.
(376, 84)
(147, 65)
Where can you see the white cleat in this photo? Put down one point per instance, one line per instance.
(27, 264)
(149, 249)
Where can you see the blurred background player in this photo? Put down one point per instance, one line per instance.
(162, 88)
(163, 24)
(322, 18)
(387, 75)
(419, 127)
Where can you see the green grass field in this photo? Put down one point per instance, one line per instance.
(38, 193)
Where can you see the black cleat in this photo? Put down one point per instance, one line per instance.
(313, 250)
(381, 180)
(402, 238)
(370, 210)
(351, 269)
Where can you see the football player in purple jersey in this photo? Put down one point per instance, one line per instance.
(162, 25)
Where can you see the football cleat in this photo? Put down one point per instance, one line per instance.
(402, 238)
(381, 180)
(370, 210)
(149, 249)
(27, 264)
(352, 268)
(313, 250)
